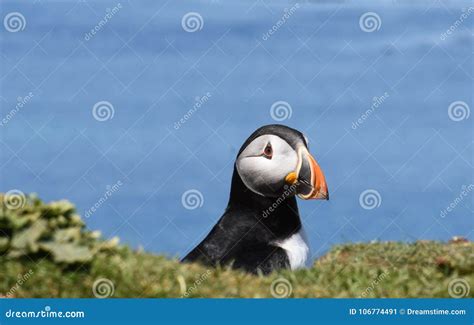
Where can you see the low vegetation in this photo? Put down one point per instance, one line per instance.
(45, 251)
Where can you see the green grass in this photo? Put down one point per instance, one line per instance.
(379, 269)
(423, 269)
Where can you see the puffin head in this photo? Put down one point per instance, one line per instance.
(275, 158)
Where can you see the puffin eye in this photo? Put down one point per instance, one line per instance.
(268, 151)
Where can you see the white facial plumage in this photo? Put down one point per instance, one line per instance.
(262, 174)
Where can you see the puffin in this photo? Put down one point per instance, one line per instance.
(260, 230)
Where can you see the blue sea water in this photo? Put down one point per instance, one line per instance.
(393, 169)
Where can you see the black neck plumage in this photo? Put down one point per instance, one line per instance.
(248, 230)
(279, 214)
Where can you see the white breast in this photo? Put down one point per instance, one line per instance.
(297, 249)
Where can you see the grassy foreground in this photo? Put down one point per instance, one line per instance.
(34, 263)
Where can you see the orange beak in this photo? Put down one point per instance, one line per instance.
(309, 178)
